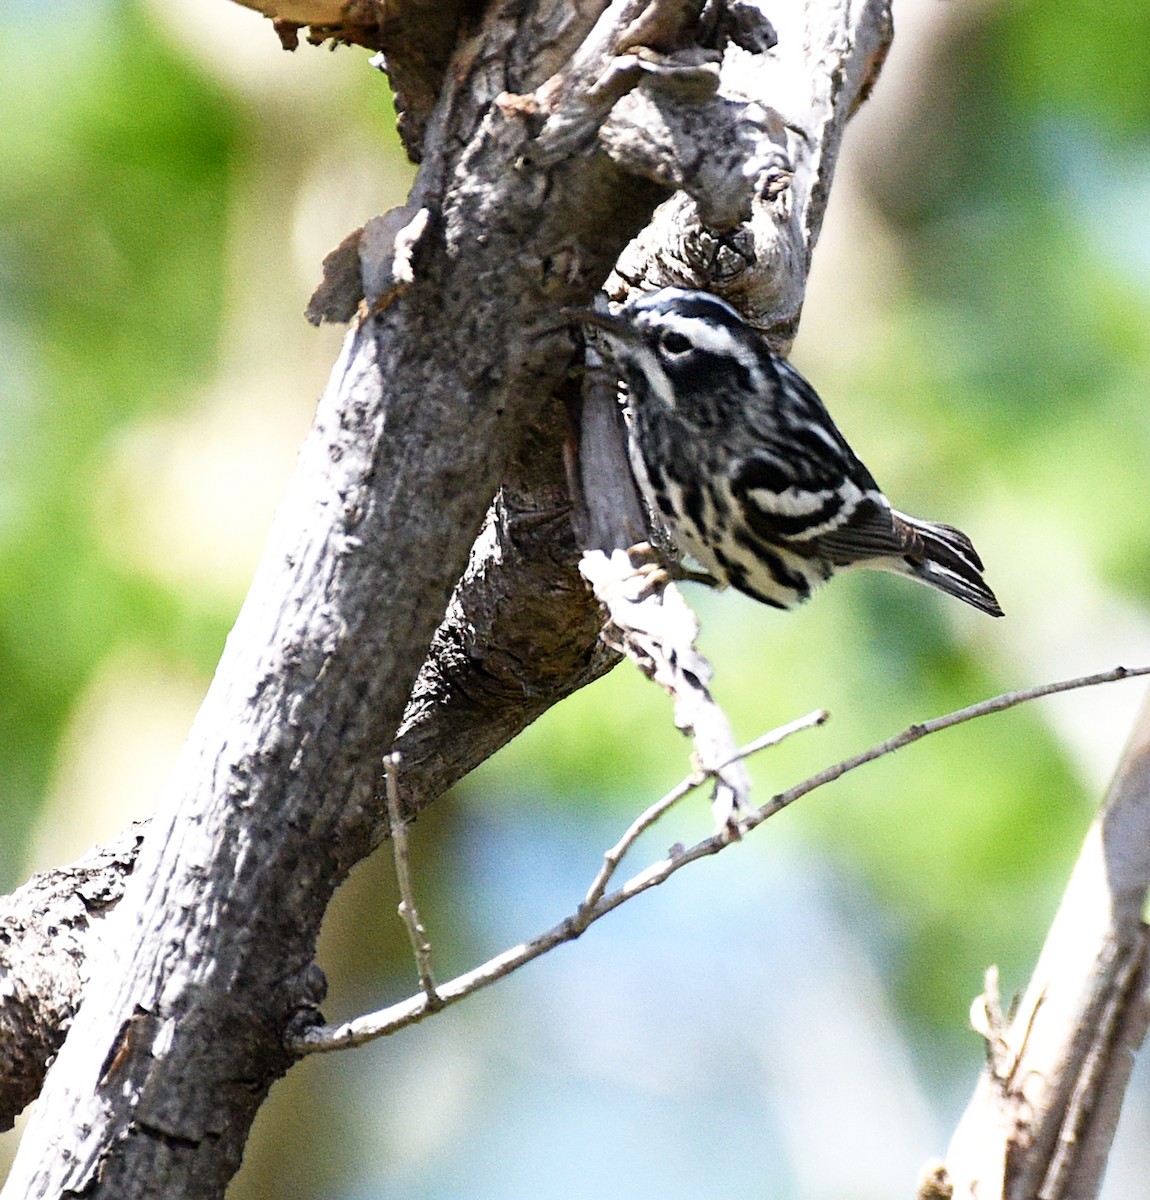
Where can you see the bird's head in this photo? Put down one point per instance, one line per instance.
(671, 343)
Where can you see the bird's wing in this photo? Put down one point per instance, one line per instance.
(871, 531)
(841, 516)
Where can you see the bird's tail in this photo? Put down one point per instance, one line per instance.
(948, 561)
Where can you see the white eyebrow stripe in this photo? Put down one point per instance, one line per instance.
(711, 338)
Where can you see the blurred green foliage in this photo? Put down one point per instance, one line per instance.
(1003, 386)
(116, 177)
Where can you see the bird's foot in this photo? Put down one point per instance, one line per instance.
(650, 571)
(656, 572)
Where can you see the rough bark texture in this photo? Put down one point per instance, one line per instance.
(47, 932)
(826, 61)
(521, 632)
(446, 391)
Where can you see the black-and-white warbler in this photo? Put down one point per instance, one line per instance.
(740, 459)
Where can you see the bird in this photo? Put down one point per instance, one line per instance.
(738, 457)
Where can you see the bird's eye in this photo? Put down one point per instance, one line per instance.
(674, 343)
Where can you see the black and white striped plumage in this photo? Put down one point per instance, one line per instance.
(744, 465)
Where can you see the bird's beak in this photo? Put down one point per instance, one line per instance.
(611, 324)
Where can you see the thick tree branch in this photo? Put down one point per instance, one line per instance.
(277, 794)
(207, 961)
(521, 630)
(46, 933)
(826, 61)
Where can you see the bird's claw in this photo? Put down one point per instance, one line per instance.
(649, 570)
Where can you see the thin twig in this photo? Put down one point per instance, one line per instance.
(420, 945)
(915, 733)
(646, 819)
(325, 1038)
(366, 1028)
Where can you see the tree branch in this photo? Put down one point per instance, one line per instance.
(360, 1030)
(521, 632)
(1044, 1112)
(46, 934)
(598, 902)
(826, 60)
(416, 40)
(278, 791)
(274, 797)
(914, 733)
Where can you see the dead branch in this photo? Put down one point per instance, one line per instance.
(598, 902)
(595, 905)
(275, 795)
(1044, 1112)
(282, 769)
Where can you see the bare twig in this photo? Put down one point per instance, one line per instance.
(597, 903)
(988, 1019)
(356, 1032)
(646, 819)
(914, 733)
(420, 945)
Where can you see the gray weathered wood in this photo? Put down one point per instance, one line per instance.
(1045, 1109)
(207, 959)
(440, 397)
